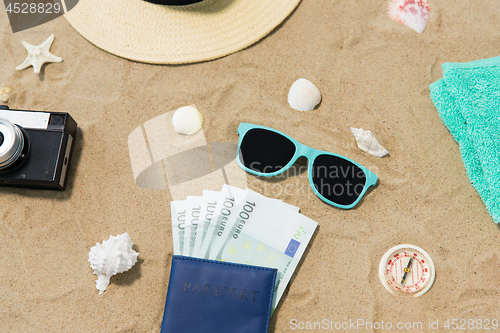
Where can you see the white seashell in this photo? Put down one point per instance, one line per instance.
(412, 13)
(5, 98)
(5, 90)
(110, 258)
(368, 143)
(187, 120)
(303, 95)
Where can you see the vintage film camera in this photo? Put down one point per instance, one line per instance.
(35, 148)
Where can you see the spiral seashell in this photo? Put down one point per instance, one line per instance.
(303, 95)
(110, 258)
(368, 143)
(187, 120)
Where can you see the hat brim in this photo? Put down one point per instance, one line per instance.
(146, 32)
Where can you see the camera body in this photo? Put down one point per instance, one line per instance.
(35, 148)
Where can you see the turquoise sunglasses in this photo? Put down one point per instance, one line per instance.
(335, 179)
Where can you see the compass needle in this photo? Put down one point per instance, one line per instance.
(407, 270)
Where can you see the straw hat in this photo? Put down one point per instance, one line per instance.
(155, 33)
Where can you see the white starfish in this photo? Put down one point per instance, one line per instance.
(38, 55)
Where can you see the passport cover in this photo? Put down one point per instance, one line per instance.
(215, 296)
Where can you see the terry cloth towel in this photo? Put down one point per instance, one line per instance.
(468, 101)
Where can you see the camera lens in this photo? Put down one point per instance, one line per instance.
(11, 143)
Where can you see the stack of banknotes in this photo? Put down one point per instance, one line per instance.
(242, 226)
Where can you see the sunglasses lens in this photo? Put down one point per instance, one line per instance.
(265, 151)
(337, 179)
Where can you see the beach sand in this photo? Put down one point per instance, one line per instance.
(373, 73)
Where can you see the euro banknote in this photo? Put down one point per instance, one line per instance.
(271, 225)
(193, 213)
(243, 210)
(178, 213)
(208, 204)
(228, 197)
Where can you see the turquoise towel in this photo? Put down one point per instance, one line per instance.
(468, 101)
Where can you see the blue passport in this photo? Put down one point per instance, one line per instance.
(214, 296)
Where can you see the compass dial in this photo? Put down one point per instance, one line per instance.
(407, 270)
